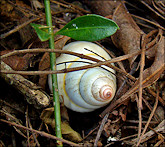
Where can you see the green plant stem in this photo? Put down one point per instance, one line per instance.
(54, 76)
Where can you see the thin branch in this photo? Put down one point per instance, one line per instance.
(149, 21)
(104, 120)
(150, 117)
(44, 134)
(2, 36)
(142, 63)
(107, 62)
(152, 10)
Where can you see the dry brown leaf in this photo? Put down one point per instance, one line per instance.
(104, 8)
(152, 74)
(17, 62)
(59, 44)
(128, 37)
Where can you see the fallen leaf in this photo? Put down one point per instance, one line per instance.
(17, 62)
(152, 74)
(104, 8)
(47, 117)
(128, 37)
(69, 133)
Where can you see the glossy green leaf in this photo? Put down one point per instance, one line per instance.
(89, 28)
(42, 31)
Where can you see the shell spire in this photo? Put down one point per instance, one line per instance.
(106, 92)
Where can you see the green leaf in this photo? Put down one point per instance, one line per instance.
(89, 28)
(42, 31)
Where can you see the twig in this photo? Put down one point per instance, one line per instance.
(152, 9)
(76, 7)
(41, 50)
(154, 94)
(160, 11)
(151, 133)
(150, 117)
(124, 138)
(27, 132)
(101, 129)
(18, 28)
(33, 134)
(140, 116)
(142, 63)
(69, 7)
(44, 134)
(134, 66)
(151, 108)
(143, 122)
(151, 22)
(12, 118)
(161, 137)
(90, 132)
(107, 62)
(144, 25)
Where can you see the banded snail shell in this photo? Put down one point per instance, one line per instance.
(89, 89)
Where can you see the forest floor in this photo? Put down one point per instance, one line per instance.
(135, 117)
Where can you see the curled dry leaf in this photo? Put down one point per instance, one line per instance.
(47, 117)
(45, 61)
(152, 74)
(128, 37)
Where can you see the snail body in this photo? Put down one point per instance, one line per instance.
(88, 89)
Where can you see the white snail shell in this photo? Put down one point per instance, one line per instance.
(88, 89)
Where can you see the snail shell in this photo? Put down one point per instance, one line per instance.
(88, 89)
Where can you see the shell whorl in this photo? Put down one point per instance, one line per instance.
(106, 92)
(103, 89)
(85, 90)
